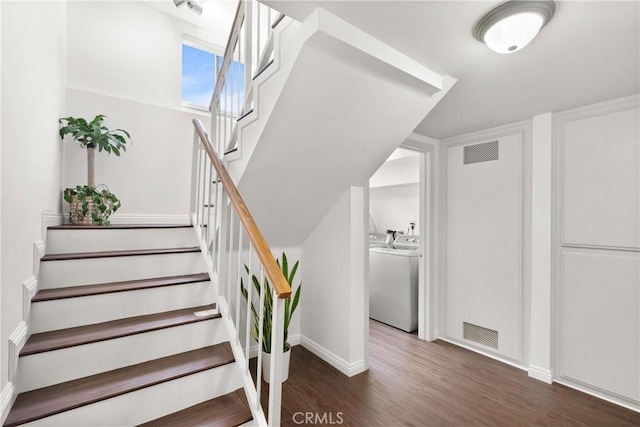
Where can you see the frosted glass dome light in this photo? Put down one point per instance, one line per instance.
(512, 25)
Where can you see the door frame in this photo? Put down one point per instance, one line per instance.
(428, 213)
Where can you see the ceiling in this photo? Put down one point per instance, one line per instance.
(589, 52)
(217, 15)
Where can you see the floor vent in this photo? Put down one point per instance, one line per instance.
(485, 152)
(484, 336)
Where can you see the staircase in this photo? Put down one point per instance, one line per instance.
(133, 324)
(124, 330)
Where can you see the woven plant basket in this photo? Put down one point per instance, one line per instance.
(75, 212)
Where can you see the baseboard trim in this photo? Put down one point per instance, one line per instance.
(29, 289)
(16, 342)
(49, 219)
(349, 369)
(294, 340)
(7, 397)
(39, 249)
(485, 353)
(541, 374)
(599, 393)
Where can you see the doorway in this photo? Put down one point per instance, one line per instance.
(400, 198)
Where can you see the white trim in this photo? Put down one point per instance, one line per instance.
(293, 341)
(492, 133)
(204, 45)
(349, 369)
(601, 108)
(16, 342)
(494, 356)
(559, 244)
(150, 219)
(424, 140)
(29, 289)
(523, 129)
(7, 397)
(49, 219)
(599, 393)
(38, 252)
(542, 374)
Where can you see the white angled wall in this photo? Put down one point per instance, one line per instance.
(597, 245)
(484, 244)
(33, 75)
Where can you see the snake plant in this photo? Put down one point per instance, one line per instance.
(289, 304)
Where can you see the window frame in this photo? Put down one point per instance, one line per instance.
(205, 46)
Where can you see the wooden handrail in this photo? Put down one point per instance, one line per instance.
(272, 270)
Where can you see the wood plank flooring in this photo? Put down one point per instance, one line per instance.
(418, 383)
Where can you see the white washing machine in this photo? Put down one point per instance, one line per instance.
(393, 279)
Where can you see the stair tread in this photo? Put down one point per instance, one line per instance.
(115, 226)
(47, 401)
(79, 335)
(109, 254)
(229, 410)
(111, 287)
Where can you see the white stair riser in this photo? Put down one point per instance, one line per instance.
(56, 274)
(52, 367)
(72, 241)
(70, 312)
(151, 402)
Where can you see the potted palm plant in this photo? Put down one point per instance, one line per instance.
(89, 204)
(290, 306)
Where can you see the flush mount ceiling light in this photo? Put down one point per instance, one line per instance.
(193, 6)
(512, 25)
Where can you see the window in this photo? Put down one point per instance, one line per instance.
(198, 76)
(199, 69)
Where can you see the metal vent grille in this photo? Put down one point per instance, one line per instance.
(485, 152)
(481, 335)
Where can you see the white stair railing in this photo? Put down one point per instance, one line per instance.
(236, 252)
(249, 51)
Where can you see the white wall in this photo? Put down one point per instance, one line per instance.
(128, 50)
(580, 262)
(597, 245)
(484, 242)
(124, 61)
(393, 208)
(394, 195)
(33, 76)
(333, 318)
(153, 177)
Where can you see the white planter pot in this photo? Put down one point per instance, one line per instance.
(266, 365)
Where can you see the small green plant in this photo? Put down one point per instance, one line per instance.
(289, 304)
(100, 202)
(94, 134)
(88, 205)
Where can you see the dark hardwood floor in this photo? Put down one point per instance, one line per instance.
(417, 383)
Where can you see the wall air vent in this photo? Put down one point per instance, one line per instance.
(481, 335)
(485, 152)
